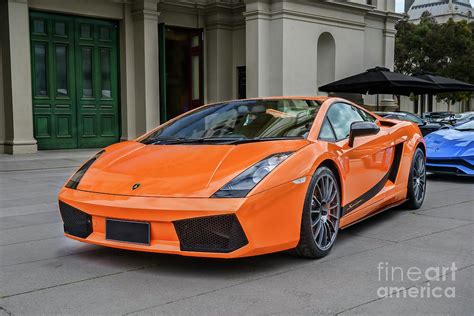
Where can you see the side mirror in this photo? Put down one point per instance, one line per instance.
(362, 129)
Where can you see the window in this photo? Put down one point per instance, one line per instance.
(104, 34)
(341, 116)
(61, 70)
(405, 117)
(41, 82)
(87, 90)
(39, 27)
(105, 71)
(366, 116)
(411, 118)
(60, 29)
(326, 132)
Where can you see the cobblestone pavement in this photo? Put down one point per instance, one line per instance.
(42, 272)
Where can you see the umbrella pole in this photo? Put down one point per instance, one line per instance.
(377, 106)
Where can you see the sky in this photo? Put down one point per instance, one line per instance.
(400, 3)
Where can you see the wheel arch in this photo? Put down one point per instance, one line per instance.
(329, 163)
(422, 146)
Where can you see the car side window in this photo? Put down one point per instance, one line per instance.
(366, 116)
(414, 119)
(341, 116)
(326, 133)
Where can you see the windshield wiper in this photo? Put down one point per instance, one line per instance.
(262, 139)
(225, 140)
(162, 140)
(183, 140)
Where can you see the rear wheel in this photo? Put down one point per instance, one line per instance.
(321, 215)
(417, 181)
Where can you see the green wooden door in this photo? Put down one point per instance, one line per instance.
(75, 81)
(54, 98)
(96, 82)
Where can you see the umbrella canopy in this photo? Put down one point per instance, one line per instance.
(381, 80)
(446, 84)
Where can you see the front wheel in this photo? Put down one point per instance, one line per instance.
(321, 214)
(417, 181)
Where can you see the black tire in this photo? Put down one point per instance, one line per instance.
(308, 246)
(416, 181)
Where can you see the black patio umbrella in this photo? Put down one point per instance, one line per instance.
(380, 80)
(445, 84)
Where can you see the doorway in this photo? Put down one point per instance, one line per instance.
(74, 63)
(181, 70)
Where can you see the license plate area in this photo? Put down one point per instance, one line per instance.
(127, 231)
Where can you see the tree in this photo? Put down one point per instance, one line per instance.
(443, 49)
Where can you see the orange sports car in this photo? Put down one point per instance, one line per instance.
(247, 177)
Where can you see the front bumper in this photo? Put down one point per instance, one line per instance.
(270, 221)
(457, 166)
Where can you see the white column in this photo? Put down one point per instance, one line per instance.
(389, 48)
(127, 75)
(257, 21)
(219, 53)
(2, 98)
(145, 30)
(16, 73)
(389, 39)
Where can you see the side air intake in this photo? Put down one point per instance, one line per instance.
(76, 222)
(222, 233)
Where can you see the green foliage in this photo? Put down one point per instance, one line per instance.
(443, 49)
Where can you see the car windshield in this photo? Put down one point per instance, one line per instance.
(405, 117)
(244, 120)
(469, 126)
(413, 118)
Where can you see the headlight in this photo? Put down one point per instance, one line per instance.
(241, 185)
(76, 178)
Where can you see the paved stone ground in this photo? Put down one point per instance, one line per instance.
(42, 272)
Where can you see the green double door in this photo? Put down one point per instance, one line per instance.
(74, 64)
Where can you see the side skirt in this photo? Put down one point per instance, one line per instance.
(398, 203)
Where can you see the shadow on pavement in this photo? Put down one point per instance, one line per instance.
(194, 267)
(449, 178)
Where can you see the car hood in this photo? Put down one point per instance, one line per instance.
(448, 143)
(188, 170)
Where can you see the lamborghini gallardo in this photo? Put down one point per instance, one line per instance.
(247, 177)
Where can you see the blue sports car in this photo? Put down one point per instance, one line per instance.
(451, 150)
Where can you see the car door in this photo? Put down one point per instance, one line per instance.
(366, 164)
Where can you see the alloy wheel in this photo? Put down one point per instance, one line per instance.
(419, 178)
(325, 205)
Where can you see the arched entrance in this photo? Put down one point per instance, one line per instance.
(326, 54)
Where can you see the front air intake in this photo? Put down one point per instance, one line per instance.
(76, 222)
(221, 233)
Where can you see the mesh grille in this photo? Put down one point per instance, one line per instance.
(76, 223)
(221, 233)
